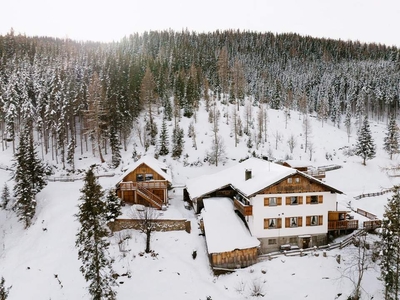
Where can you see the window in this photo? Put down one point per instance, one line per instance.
(272, 201)
(297, 180)
(272, 223)
(293, 222)
(293, 200)
(314, 200)
(272, 242)
(139, 177)
(289, 180)
(149, 177)
(314, 220)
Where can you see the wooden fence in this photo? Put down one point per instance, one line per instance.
(300, 252)
(373, 194)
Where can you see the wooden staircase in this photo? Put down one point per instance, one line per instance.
(153, 199)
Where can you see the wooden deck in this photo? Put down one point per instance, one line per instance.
(343, 225)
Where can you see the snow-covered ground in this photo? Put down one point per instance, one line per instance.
(41, 262)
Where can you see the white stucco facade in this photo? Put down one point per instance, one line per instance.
(283, 211)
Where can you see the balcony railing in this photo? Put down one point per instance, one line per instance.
(152, 184)
(245, 210)
(343, 225)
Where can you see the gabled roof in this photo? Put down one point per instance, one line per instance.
(263, 175)
(153, 163)
(225, 231)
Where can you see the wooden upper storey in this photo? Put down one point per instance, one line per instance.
(143, 173)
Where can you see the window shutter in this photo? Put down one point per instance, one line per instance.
(287, 200)
(279, 201)
(266, 201)
(308, 221)
(279, 221)
(320, 199)
(320, 220)
(287, 222)
(266, 223)
(308, 199)
(299, 221)
(300, 199)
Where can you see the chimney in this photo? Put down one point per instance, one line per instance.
(247, 174)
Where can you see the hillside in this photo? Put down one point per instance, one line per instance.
(41, 262)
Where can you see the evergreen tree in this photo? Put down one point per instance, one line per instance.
(5, 197)
(3, 290)
(29, 177)
(71, 153)
(164, 139)
(177, 142)
(115, 147)
(389, 260)
(391, 142)
(91, 240)
(365, 147)
(113, 204)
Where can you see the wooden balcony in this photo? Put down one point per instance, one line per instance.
(152, 184)
(245, 210)
(316, 173)
(343, 225)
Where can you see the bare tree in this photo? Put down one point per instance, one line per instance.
(307, 132)
(147, 222)
(358, 264)
(310, 149)
(248, 117)
(223, 71)
(278, 138)
(218, 152)
(292, 142)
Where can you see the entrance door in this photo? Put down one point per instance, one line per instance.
(306, 242)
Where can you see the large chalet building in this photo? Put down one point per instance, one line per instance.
(281, 206)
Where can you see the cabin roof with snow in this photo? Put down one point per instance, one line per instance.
(224, 230)
(159, 167)
(263, 174)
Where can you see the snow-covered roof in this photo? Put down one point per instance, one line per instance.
(263, 174)
(298, 163)
(153, 163)
(225, 231)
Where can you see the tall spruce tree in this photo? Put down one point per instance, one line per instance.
(164, 143)
(177, 142)
(365, 147)
(389, 260)
(92, 240)
(391, 142)
(29, 177)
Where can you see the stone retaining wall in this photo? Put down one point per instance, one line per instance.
(160, 225)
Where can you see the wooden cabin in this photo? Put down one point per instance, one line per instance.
(145, 182)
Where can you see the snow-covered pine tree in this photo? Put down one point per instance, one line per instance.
(92, 240)
(5, 197)
(365, 147)
(389, 246)
(391, 142)
(177, 142)
(71, 153)
(115, 147)
(113, 206)
(29, 177)
(3, 290)
(164, 143)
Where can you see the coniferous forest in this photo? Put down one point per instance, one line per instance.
(77, 97)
